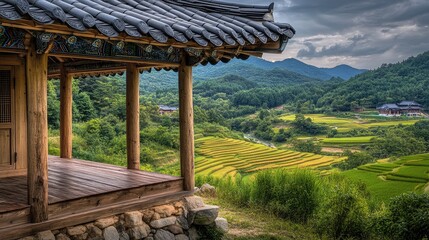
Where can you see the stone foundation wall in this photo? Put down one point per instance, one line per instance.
(176, 221)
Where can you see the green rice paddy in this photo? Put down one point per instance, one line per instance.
(385, 180)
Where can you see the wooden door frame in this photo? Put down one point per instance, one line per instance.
(12, 125)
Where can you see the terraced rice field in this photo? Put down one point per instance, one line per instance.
(347, 140)
(222, 157)
(347, 124)
(384, 180)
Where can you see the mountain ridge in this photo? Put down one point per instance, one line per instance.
(290, 64)
(286, 72)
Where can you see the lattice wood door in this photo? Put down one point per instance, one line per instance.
(6, 119)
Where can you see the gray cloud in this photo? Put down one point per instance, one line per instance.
(356, 47)
(362, 33)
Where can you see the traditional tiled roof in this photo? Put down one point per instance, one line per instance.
(409, 104)
(389, 106)
(404, 105)
(167, 108)
(204, 22)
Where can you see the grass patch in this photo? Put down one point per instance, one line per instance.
(257, 224)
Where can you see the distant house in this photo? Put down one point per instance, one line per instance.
(163, 109)
(404, 108)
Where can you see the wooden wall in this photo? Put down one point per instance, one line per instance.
(20, 116)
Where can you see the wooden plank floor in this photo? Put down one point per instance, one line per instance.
(77, 179)
(13, 193)
(74, 179)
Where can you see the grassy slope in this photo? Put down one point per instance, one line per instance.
(381, 190)
(385, 180)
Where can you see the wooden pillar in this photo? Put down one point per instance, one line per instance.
(186, 113)
(133, 122)
(66, 121)
(37, 139)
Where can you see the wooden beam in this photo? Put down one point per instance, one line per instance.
(133, 122)
(103, 71)
(37, 140)
(10, 59)
(66, 121)
(137, 60)
(12, 50)
(186, 113)
(21, 116)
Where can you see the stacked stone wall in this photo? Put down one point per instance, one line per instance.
(181, 220)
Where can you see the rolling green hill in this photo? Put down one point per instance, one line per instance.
(163, 80)
(391, 83)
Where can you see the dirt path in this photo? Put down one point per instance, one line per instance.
(336, 150)
(332, 150)
(252, 224)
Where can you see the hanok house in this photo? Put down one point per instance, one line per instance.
(411, 108)
(66, 39)
(166, 110)
(404, 108)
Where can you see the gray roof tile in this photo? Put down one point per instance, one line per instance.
(201, 21)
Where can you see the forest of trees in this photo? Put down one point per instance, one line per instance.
(390, 83)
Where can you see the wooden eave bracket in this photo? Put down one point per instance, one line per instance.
(44, 42)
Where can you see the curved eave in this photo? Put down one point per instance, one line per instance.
(200, 23)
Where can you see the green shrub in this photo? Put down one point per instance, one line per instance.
(310, 146)
(304, 125)
(407, 217)
(263, 187)
(233, 190)
(293, 195)
(354, 160)
(209, 232)
(288, 194)
(344, 213)
(396, 142)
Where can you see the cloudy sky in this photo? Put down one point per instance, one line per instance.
(361, 33)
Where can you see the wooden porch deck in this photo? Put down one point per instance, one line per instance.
(77, 187)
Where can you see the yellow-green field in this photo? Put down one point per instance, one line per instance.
(388, 179)
(347, 140)
(347, 124)
(226, 157)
